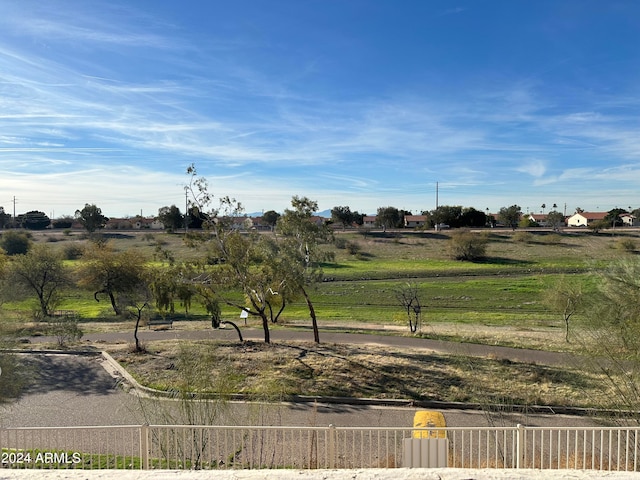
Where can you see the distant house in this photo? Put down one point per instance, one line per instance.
(539, 218)
(414, 221)
(583, 219)
(150, 223)
(629, 220)
(369, 221)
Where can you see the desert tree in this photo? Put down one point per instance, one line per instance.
(301, 247)
(270, 217)
(171, 218)
(110, 272)
(510, 215)
(91, 218)
(345, 217)
(137, 301)
(39, 272)
(388, 217)
(555, 220)
(564, 297)
(241, 261)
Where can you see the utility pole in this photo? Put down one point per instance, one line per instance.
(13, 224)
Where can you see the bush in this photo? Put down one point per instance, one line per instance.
(65, 329)
(465, 245)
(626, 244)
(523, 237)
(551, 239)
(73, 251)
(15, 243)
(340, 243)
(353, 248)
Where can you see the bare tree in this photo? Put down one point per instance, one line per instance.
(564, 297)
(407, 296)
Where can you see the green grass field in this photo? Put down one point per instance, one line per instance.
(503, 290)
(497, 301)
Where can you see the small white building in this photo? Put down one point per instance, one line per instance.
(414, 221)
(629, 220)
(583, 219)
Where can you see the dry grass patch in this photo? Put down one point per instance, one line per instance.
(275, 371)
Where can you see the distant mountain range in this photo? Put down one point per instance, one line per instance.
(324, 213)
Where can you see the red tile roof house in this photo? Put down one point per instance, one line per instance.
(583, 219)
(413, 221)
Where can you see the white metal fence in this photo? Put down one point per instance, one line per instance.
(220, 447)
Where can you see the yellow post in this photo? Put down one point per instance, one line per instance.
(429, 419)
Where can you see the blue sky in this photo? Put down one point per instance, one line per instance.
(365, 103)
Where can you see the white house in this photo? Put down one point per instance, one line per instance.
(629, 220)
(583, 219)
(413, 221)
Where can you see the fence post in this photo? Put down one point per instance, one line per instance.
(520, 445)
(332, 446)
(144, 446)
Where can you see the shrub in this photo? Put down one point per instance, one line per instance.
(523, 237)
(65, 329)
(626, 244)
(73, 251)
(15, 243)
(551, 239)
(465, 245)
(340, 243)
(353, 248)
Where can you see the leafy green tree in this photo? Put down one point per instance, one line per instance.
(302, 253)
(5, 218)
(91, 218)
(510, 216)
(34, 220)
(241, 260)
(613, 217)
(345, 217)
(388, 217)
(555, 220)
(471, 217)
(271, 217)
(111, 273)
(196, 217)
(171, 218)
(15, 243)
(63, 222)
(598, 225)
(41, 272)
(466, 245)
(448, 215)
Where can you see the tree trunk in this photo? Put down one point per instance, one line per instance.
(236, 327)
(135, 334)
(265, 327)
(312, 314)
